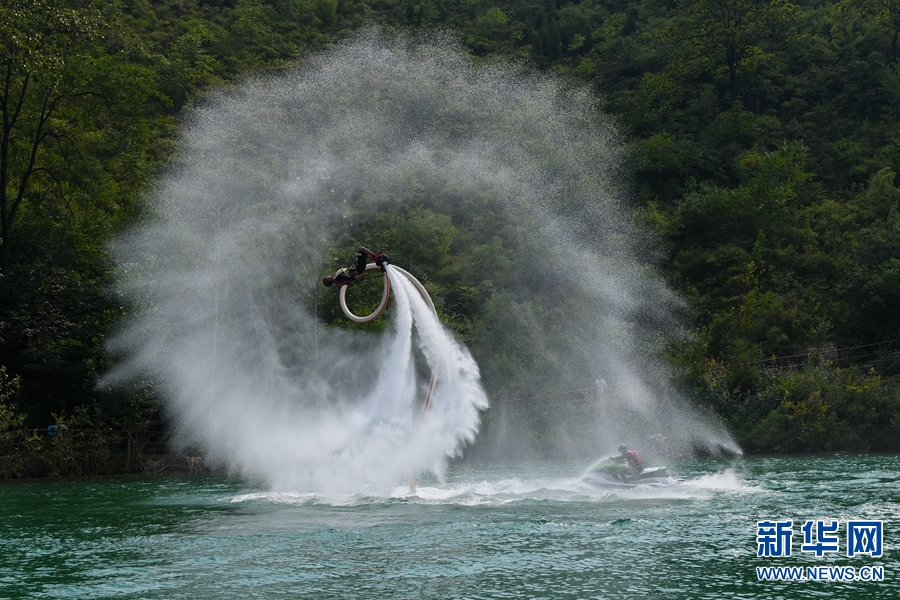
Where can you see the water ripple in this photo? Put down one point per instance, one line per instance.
(488, 531)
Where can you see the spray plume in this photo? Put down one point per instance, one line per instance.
(274, 174)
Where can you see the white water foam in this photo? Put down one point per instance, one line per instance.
(509, 490)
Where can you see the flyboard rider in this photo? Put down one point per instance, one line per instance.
(630, 463)
(348, 275)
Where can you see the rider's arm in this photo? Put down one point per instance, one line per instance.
(366, 251)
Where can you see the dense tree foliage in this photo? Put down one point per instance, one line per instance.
(763, 150)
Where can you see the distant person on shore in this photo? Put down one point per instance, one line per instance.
(630, 460)
(353, 273)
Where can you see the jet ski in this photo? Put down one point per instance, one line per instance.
(608, 473)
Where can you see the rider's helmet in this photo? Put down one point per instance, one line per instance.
(623, 448)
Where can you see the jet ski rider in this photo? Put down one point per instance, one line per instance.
(629, 458)
(348, 275)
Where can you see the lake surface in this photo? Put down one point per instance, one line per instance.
(487, 531)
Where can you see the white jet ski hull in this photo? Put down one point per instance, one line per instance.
(603, 479)
(607, 473)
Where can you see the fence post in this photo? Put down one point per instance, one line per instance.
(128, 454)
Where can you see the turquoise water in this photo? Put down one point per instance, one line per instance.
(532, 531)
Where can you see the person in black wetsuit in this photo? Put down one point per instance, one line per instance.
(348, 275)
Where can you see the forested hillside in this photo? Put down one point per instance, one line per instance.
(763, 144)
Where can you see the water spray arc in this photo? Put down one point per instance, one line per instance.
(427, 298)
(383, 304)
(388, 269)
(491, 165)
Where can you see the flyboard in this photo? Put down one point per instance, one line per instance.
(380, 308)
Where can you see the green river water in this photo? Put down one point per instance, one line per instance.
(486, 531)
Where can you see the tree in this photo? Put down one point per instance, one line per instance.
(886, 14)
(731, 29)
(47, 56)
